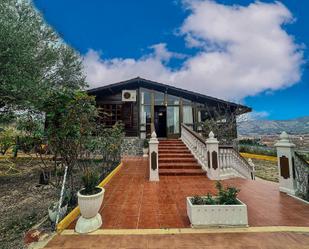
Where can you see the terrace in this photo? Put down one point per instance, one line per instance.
(131, 201)
(138, 213)
(150, 202)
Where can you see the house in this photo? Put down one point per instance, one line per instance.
(144, 106)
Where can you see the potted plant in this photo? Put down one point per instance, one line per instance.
(145, 148)
(225, 209)
(90, 199)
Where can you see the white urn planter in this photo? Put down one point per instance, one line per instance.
(90, 219)
(217, 215)
(145, 152)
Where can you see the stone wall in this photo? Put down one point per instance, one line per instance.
(132, 146)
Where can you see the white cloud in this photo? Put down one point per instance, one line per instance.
(243, 50)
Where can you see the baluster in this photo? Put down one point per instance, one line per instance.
(223, 158)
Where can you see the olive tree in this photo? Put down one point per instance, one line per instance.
(34, 61)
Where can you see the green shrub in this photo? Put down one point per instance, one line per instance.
(90, 181)
(251, 142)
(259, 150)
(225, 196)
(7, 139)
(145, 143)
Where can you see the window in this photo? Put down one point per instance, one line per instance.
(186, 102)
(173, 119)
(145, 111)
(145, 114)
(145, 96)
(172, 100)
(159, 98)
(187, 115)
(110, 113)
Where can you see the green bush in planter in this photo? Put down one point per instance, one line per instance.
(90, 181)
(145, 144)
(225, 196)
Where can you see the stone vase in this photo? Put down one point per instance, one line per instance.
(90, 219)
(145, 152)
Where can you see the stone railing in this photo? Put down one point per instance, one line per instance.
(301, 170)
(230, 159)
(195, 144)
(220, 162)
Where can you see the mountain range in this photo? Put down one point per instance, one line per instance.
(270, 127)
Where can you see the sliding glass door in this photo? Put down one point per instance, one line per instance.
(173, 121)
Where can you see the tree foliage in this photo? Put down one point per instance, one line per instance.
(222, 121)
(7, 139)
(41, 84)
(34, 62)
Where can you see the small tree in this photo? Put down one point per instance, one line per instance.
(7, 139)
(222, 122)
(34, 61)
(70, 122)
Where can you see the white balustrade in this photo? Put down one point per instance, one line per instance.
(195, 144)
(231, 163)
(231, 159)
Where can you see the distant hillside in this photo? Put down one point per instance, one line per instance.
(269, 127)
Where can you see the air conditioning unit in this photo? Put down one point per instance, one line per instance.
(128, 95)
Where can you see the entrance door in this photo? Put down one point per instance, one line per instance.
(160, 120)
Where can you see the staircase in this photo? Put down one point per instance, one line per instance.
(231, 163)
(176, 159)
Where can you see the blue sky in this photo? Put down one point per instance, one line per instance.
(153, 39)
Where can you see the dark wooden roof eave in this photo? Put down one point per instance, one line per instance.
(140, 82)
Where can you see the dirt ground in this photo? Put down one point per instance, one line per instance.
(23, 202)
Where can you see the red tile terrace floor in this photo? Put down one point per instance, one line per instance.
(183, 241)
(131, 201)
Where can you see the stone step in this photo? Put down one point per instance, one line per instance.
(181, 172)
(167, 151)
(173, 147)
(175, 155)
(170, 142)
(177, 160)
(178, 166)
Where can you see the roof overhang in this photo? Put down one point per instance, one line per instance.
(193, 96)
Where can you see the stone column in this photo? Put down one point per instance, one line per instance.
(153, 158)
(212, 146)
(285, 157)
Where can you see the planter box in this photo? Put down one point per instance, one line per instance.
(217, 215)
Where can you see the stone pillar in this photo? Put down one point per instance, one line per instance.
(212, 147)
(285, 157)
(153, 158)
